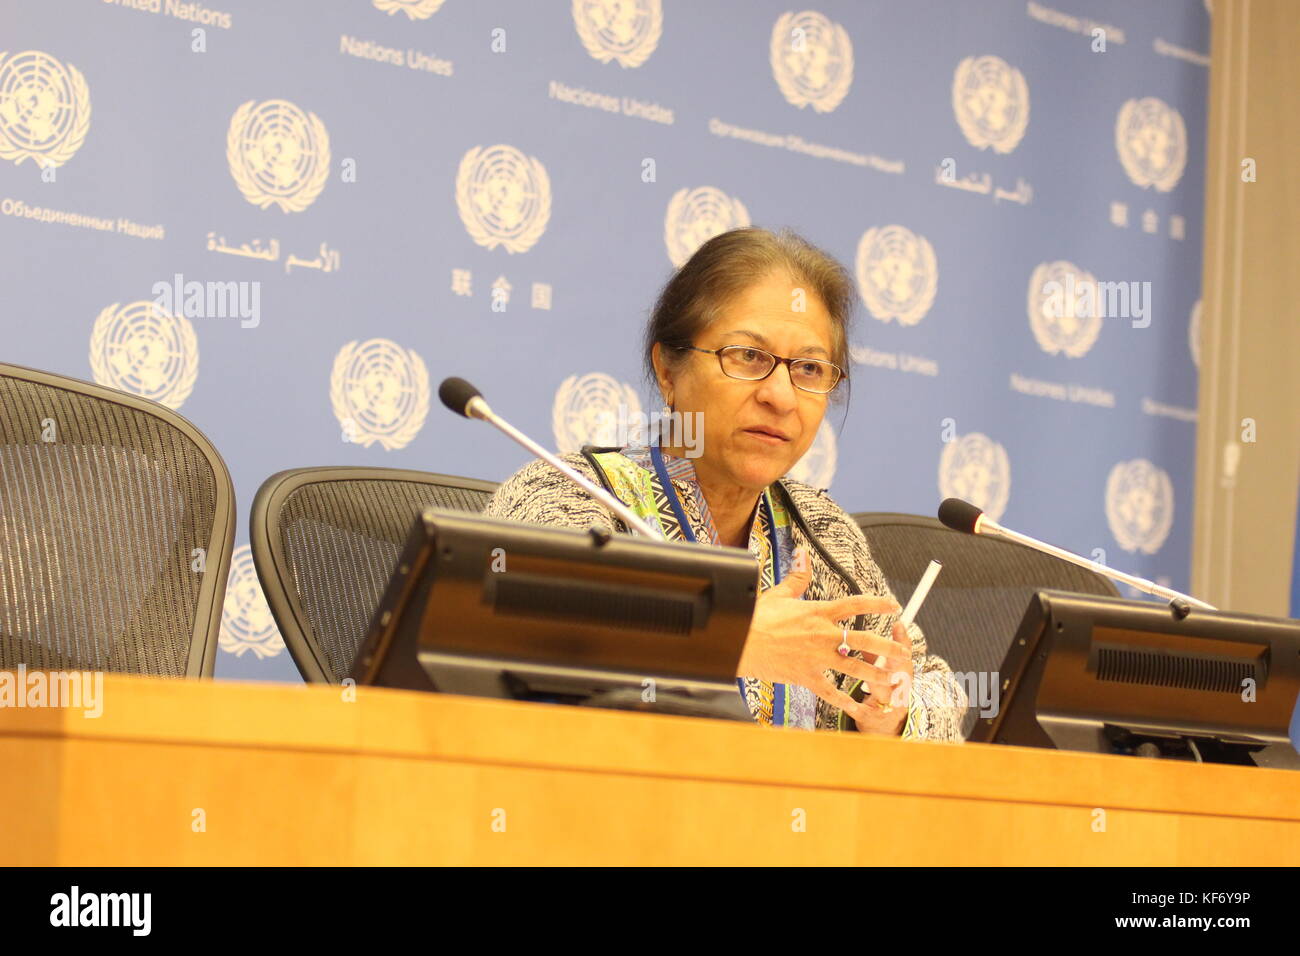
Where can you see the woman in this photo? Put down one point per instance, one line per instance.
(749, 340)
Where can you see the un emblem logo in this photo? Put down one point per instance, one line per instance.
(1152, 143)
(504, 197)
(1139, 505)
(817, 467)
(976, 468)
(991, 102)
(897, 274)
(380, 393)
(812, 60)
(590, 409)
(414, 9)
(278, 154)
(1059, 320)
(246, 621)
(139, 348)
(44, 109)
(697, 215)
(623, 30)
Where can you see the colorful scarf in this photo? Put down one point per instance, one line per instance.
(630, 473)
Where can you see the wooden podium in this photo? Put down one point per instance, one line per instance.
(218, 773)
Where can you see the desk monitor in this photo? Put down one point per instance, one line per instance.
(1105, 675)
(494, 608)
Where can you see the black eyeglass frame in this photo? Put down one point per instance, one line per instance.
(777, 360)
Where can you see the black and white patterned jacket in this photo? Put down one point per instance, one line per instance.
(841, 566)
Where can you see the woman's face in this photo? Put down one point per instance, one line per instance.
(739, 418)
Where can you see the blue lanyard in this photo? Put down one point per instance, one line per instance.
(670, 492)
(657, 457)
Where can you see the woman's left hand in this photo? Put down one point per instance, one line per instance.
(893, 689)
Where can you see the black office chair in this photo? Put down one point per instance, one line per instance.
(980, 596)
(325, 542)
(117, 521)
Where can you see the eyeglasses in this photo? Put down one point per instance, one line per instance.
(750, 364)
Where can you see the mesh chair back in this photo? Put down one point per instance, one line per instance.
(325, 542)
(979, 599)
(116, 528)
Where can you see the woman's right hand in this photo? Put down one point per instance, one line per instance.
(793, 641)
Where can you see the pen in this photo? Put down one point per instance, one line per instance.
(917, 599)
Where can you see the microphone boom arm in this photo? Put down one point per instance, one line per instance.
(986, 525)
(478, 408)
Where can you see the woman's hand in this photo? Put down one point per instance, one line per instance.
(896, 691)
(792, 641)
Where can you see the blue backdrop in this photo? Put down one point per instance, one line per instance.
(291, 219)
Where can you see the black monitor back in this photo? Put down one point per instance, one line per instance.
(1107, 675)
(496, 608)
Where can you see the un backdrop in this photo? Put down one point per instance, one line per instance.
(290, 220)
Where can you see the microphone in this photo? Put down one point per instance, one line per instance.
(464, 399)
(963, 516)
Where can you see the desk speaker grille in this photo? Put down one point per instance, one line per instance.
(1131, 666)
(575, 601)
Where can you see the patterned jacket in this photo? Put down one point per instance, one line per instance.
(841, 566)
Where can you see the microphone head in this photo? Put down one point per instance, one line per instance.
(456, 394)
(959, 515)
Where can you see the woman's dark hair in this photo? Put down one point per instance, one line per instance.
(727, 265)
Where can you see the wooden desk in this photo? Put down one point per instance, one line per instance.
(295, 775)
